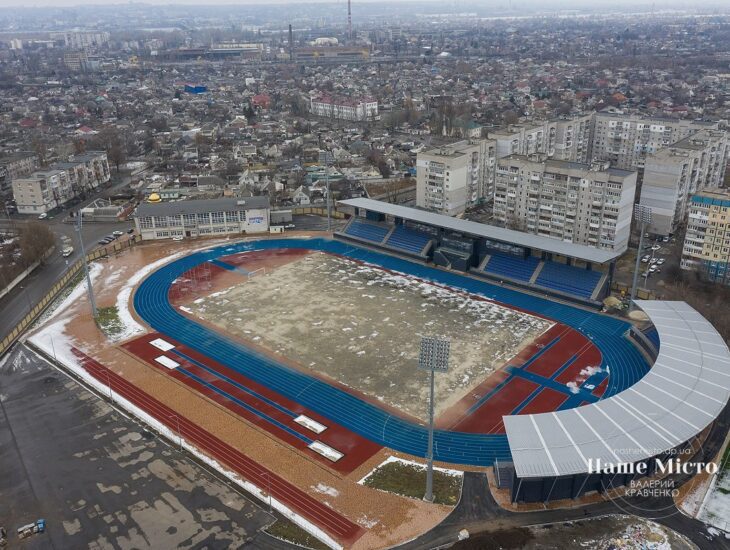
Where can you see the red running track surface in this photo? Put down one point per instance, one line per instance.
(488, 418)
(324, 517)
(547, 400)
(356, 448)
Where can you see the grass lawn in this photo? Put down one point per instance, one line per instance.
(286, 530)
(109, 321)
(410, 481)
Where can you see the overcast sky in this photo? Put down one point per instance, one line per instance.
(449, 5)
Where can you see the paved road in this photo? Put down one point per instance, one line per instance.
(100, 479)
(15, 305)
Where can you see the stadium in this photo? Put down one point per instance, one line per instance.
(314, 340)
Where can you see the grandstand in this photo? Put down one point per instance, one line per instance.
(574, 272)
(663, 413)
(399, 238)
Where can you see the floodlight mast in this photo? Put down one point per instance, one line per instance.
(434, 356)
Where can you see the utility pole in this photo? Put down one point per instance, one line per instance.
(92, 300)
(434, 357)
(327, 186)
(642, 214)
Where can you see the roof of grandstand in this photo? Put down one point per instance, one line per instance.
(684, 391)
(555, 246)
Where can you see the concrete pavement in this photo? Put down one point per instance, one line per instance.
(98, 478)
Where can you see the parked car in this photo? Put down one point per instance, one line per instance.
(118, 233)
(660, 261)
(130, 230)
(178, 238)
(67, 251)
(645, 259)
(43, 216)
(655, 247)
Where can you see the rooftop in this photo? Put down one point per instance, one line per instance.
(475, 229)
(199, 206)
(685, 390)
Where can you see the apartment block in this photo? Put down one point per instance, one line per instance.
(573, 139)
(707, 240)
(574, 202)
(15, 166)
(626, 140)
(42, 191)
(673, 173)
(82, 40)
(562, 139)
(452, 178)
(344, 108)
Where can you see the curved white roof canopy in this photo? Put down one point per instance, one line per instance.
(683, 392)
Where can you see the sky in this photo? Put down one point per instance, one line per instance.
(449, 5)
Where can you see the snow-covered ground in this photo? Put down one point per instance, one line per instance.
(131, 327)
(447, 471)
(715, 508)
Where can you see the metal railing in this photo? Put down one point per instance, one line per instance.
(58, 287)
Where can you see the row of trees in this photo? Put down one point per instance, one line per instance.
(34, 240)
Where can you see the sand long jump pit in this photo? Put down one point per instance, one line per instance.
(360, 325)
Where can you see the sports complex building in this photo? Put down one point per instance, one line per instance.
(588, 387)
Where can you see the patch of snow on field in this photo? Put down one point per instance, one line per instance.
(326, 490)
(59, 306)
(487, 313)
(448, 472)
(131, 326)
(364, 521)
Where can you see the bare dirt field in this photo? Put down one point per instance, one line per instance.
(361, 326)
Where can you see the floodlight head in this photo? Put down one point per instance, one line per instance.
(434, 355)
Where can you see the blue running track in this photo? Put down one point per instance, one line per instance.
(625, 362)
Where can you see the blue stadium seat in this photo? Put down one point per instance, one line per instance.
(569, 279)
(514, 267)
(407, 239)
(653, 336)
(368, 231)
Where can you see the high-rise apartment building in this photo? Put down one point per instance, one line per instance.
(82, 40)
(579, 203)
(626, 140)
(707, 241)
(451, 178)
(673, 173)
(562, 139)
